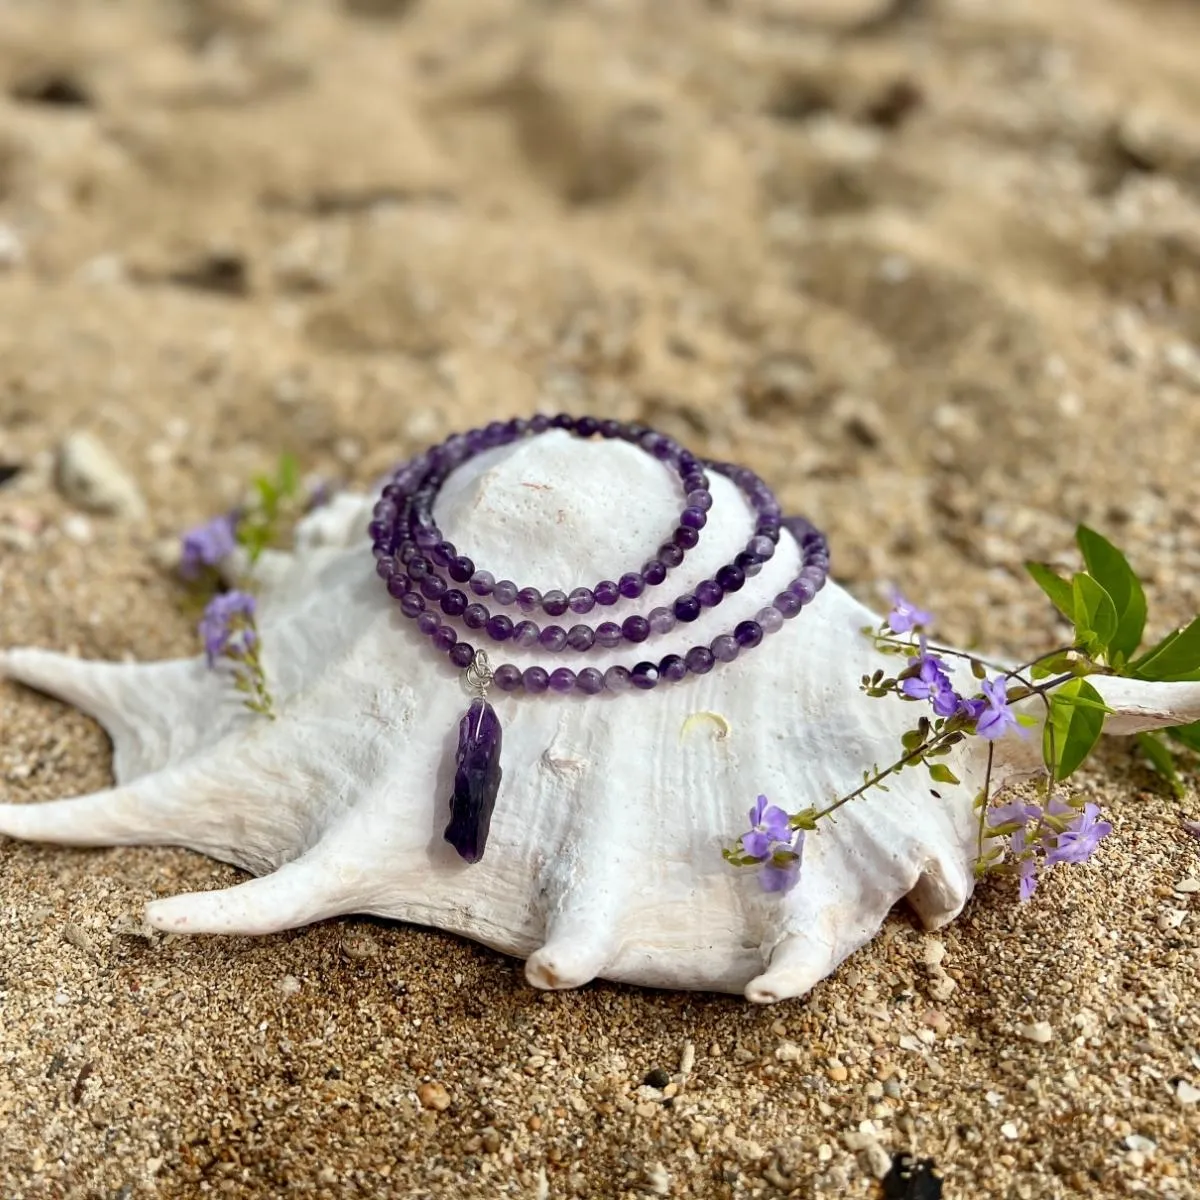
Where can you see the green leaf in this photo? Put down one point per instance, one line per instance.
(1095, 612)
(1059, 664)
(1057, 588)
(1186, 735)
(942, 773)
(1174, 659)
(1075, 727)
(288, 479)
(1161, 760)
(1111, 570)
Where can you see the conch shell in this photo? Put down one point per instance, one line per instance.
(604, 858)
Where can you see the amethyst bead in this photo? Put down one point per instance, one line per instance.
(483, 583)
(748, 634)
(562, 680)
(606, 592)
(475, 616)
(662, 620)
(802, 589)
(685, 537)
(412, 605)
(631, 585)
(787, 604)
(398, 585)
(644, 676)
(454, 603)
(553, 638)
(700, 498)
(700, 660)
(462, 655)
(444, 637)
(526, 633)
(418, 568)
(635, 629)
(507, 677)
(427, 622)
(608, 634)
(529, 599)
(505, 591)
(461, 569)
(554, 604)
(672, 668)
(581, 637)
(536, 680)
(770, 618)
(433, 587)
(709, 593)
(687, 608)
(693, 518)
(618, 679)
(725, 647)
(499, 627)
(731, 578)
(589, 681)
(581, 601)
(670, 555)
(654, 572)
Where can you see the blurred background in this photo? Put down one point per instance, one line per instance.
(931, 266)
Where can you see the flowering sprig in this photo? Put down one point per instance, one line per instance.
(1106, 605)
(228, 626)
(230, 633)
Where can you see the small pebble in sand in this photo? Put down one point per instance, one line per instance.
(1009, 1130)
(1185, 1093)
(1188, 885)
(1036, 1031)
(433, 1095)
(89, 476)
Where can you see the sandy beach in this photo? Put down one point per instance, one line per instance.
(931, 267)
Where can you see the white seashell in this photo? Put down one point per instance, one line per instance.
(604, 854)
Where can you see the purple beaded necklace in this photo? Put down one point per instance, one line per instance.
(411, 555)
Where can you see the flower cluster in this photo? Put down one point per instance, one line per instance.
(987, 715)
(774, 843)
(1039, 838)
(1022, 839)
(228, 625)
(229, 632)
(207, 545)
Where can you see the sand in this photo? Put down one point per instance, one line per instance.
(933, 269)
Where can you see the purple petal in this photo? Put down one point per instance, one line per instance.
(756, 813)
(756, 844)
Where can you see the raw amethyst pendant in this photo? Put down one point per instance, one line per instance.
(476, 780)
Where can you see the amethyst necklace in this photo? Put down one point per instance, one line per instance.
(420, 569)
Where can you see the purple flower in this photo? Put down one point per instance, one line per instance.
(905, 616)
(997, 718)
(781, 872)
(1079, 840)
(208, 544)
(227, 626)
(768, 826)
(931, 683)
(1026, 866)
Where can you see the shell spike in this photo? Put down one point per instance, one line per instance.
(139, 813)
(942, 891)
(1139, 705)
(300, 892)
(798, 963)
(580, 937)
